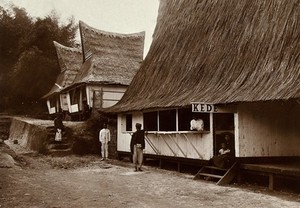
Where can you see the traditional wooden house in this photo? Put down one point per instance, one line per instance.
(70, 60)
(235, 65)
(110, 60)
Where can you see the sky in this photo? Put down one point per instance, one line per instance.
(120, 16)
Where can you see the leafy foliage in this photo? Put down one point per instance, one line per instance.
(28, 60)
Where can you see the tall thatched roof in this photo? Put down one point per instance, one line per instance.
(110, 58)
(219, 51)
(70, 61)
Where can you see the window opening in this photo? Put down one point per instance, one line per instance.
(150, 121)
(167, 120)
(185, 115)
(128, 122)
(75, 96)
(224, 127)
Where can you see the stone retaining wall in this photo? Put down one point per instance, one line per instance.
(29, 134)
(33, 134)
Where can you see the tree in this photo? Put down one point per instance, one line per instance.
(28, 58)
(14, 24)
(32, 76)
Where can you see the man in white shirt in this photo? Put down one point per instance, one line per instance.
(197, 124)
(104, 138)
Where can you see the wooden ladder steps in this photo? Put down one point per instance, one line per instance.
(58, 148)
(223, 176)
(211, 175)
(215, 168)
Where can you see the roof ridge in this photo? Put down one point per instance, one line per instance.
(114, 34)
(60, 46)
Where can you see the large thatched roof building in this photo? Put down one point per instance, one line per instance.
(70, 60)
(219, 52)
(234, 64)
(110, 58)
(110, 61)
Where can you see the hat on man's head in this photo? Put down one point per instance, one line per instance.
(138, 125)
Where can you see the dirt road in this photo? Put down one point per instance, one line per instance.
(43, 181)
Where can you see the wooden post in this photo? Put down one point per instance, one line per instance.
(271, 181)
(178, 166)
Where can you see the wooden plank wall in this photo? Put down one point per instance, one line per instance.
(269, 129)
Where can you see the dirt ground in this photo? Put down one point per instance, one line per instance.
(31, 180)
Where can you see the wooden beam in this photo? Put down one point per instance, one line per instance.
(174, 153)
(185, 155)
(152, 145)
(192, 145)
(229, 175)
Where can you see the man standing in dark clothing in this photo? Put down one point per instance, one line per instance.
(137, 145)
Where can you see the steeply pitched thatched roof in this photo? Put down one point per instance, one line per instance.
(110, 58)
(219, 51)
(70, 61)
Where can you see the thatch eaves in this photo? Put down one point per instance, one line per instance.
(70, 61)
(110, 58)
(219, 52)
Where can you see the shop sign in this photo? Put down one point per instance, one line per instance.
(203, 108)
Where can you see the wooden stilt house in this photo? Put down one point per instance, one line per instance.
(233, 64)
(110, 60)
(70, 60)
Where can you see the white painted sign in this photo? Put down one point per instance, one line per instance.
(203, 108)
(74, 108)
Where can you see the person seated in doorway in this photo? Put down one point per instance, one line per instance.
(224, 150)
(224, 159)
(228, 140)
